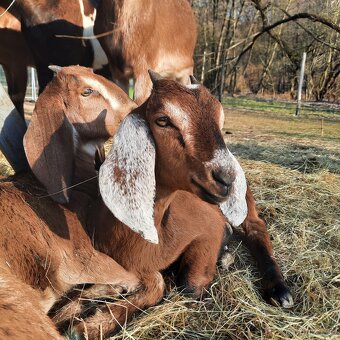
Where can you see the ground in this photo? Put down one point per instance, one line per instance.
(293, 165)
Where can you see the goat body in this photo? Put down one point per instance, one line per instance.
(44, 247)
(147, 34)
(170, 150)
(41, 23)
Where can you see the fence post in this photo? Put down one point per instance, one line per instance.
(33, 85)
(302, 71)
(12, 130)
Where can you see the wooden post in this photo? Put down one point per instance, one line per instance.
(302, 71)
(12, 130)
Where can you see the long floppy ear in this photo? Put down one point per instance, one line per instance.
(49, 145)
(235, 208)
(127, 177)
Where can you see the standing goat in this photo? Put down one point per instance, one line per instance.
(47, 27)
(160, 35)
(44, 247)
(167, 171)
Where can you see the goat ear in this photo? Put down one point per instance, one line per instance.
(154, 76)
(48, 145)
(55, 68)
(127, 177)
(235, 208)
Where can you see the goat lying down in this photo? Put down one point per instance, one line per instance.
(166, 174)
(44, 247)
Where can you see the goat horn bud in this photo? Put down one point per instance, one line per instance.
(154, 76)
(194, 81)
(55, 68)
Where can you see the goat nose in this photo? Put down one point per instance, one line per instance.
(224, 178)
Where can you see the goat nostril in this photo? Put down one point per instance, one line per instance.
(223, 178)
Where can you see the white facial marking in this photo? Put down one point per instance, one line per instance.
(101, 88)
(193, 86)
(99, 56)
(177, 111)
(127, 177)
(235, 207)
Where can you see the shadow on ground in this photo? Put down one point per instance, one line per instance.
(306, 159)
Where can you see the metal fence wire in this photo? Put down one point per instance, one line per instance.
(29, 94)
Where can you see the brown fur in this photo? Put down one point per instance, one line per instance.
(41, 22)
(188, 228)
(15, 56)
(147, 34)
(44, 248)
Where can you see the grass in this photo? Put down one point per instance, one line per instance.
(282, 107)
(294, 172)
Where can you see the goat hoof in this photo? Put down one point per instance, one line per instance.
(279, 295)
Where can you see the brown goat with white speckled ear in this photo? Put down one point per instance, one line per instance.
(166, 174)
(44, 247)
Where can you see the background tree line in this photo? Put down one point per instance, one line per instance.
(255, 46)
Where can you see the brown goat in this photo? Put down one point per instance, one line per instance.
(45, 26)
(15, 56)
(166, 172)
(44, 247)
(147, 34)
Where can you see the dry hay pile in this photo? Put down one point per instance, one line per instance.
(302, 211)
(301, 206)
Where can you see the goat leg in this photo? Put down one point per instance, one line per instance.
(16, 77)
(21, 313)
(109, 317)
(257, 239)
(198, 263)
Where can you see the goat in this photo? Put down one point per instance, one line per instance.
(15, 56)
(44, 247)
(45, 24)
(160, 35)
(167, 171)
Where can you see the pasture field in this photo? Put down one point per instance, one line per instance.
(294, 170)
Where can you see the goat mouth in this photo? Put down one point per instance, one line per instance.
(206, 195)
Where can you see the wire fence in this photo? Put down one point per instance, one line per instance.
(31, 85)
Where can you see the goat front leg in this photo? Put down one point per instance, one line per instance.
(198, 263)
(257, 239)
(110, 316)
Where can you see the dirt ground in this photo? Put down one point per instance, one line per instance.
(293, 165)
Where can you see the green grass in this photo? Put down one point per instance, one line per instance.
(282, 107)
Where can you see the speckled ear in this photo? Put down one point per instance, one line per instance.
(127, 177)
(235, 207)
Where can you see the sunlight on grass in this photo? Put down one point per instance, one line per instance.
(307, 108)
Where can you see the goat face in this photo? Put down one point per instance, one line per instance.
(77, 110)
(191, 153)
(90, 98)
(174, 137)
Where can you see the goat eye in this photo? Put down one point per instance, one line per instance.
(163, 121)
(87, 92)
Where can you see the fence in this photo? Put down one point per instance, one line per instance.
(30, 85)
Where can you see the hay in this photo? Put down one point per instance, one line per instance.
(302, 211)
(5, 168)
